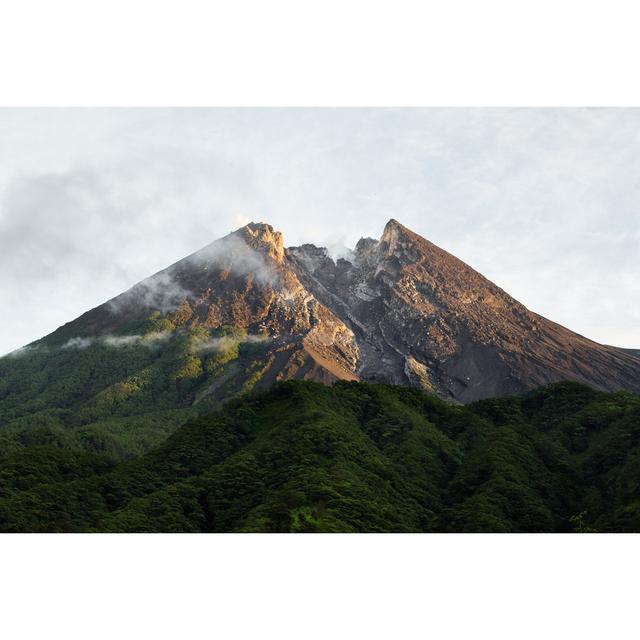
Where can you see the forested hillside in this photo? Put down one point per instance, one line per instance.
(123, 393)
(351, 457)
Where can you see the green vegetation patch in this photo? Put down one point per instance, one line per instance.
(303, 457)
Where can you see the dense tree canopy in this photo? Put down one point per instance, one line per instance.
(121, 394)
(352, 457)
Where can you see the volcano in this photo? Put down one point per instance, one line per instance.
(400, 310)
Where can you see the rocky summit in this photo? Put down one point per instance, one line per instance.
(422, 317)
(400, 310)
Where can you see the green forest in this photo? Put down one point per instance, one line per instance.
(121, 394)
(303, 457)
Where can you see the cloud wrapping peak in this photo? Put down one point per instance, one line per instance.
(232, 253)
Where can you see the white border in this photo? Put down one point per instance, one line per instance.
(340, 586)
(285, 53)
(329, 53)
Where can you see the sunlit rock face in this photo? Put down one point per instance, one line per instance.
(424, 318)
(241, 281)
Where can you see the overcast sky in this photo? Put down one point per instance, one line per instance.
(544, 202)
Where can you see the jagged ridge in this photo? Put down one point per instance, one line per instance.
(425, 318)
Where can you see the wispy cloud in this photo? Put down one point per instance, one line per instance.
(160, 292)
(148, 340)
(78, 343)
(234, 254)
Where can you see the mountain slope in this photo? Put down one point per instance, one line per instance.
(227, 319)
(353, 457)
(242, 281)
(422, 317)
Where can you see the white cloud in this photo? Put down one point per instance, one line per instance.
(147, 340)
(78, 343)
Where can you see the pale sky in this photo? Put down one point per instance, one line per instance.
(544, 202)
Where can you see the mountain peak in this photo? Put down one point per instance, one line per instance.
(262, 237)
(394, 229)
(396, 239)
(393, 223)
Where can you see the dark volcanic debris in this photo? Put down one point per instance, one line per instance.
(422, 317)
